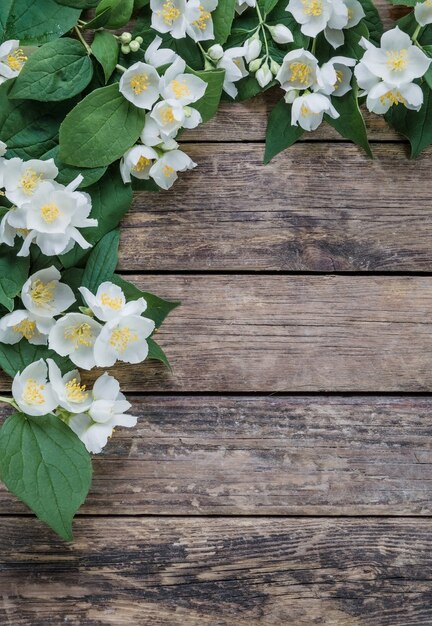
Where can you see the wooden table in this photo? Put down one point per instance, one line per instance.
(282, 474)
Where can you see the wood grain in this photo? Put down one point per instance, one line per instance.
(218, 572)
(266, 456)
(321, 207)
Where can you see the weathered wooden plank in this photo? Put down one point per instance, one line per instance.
(267, 456)
(291, 333)
(218, 572)
(321, 207)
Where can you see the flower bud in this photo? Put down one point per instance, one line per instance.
(187, 111)
(253, 48)
(125, 37)
(125, 49)
(274, 67)
(215, 52)
(290, 96)
(264, 75)
(255, 65)
(281, 33)
(140, 40)
(134, 46)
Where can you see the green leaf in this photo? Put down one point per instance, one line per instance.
(156, 353)
(111, 199)
(208, 105)
(350, 124)
(267, 5)
(68, 173)
(373, 20)
(79, 4)
(100, 129)
(280, 133)
(99, 21)
(13, 274)
(58, 70)
(46, 466)
(35, 21)
(121, 12)
(223, 18)
(106, 50)
(405, 3)
(157, 308)
(102, 261)
(415, 126)
(14, 359)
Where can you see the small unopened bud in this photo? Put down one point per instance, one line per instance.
(264, 75)
(125, 37)
(187, 111)
(274, 67)
(253, 48)
(291, 95)
(215, 52)
(125, 49)
(134, 46)
(281, 33)
(255, 65)
(139, 39)
(86, 311)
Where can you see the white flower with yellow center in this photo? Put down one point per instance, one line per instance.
(107, 411)
(152, 136)
(336, 76)
(340, 20)
(109, 302)
(71, 395)
(157, 56)
(423, 12)
(52, 218)
(175, 84)
(383, 96)
(22, 179)
(12, 59)
(164, 171)
(355, 12)
(32, 392)
(140, 85)
(21, 324)
(123, 339)
(315, 16)
(397, 61)
(299, 70)
(169, 116)
(74, 335)
(201, 29)
(308, 110)
(137, 162)
(44, 295)
(233, 63)
(174, 16)
(243, 5)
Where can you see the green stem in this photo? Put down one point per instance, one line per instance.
(262, 27)
(313, 49)
(82, 40)
(8, 401)
(417, 33)
(121, 68)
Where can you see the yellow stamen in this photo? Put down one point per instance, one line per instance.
(339, 79)
(397, 59)
(26, 328)
(79, 335)
(167, 115)
(42, 293)
(169, 12)
(29, 181)
(168, 171)
(180, 89)
(203, 19)
(16, 60)
(32, 393)
(121, 338)
(113, 303)
(50, 212)
(140, 83)
(300, 72)
(76, 392)
(142, 164)
(312, 8)
(392, 98)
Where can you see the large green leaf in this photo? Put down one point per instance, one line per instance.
(121, 12)
(350, 124)
(280, 133)
(106, 50)
(44, 463)
(13, 274)
(100, 129)
(222, 20)
(209, 103)
(35, 21)
(267, 5)
(79, 4)
(416, 126)
(58, 70)
(14, 359)
(102, 261)
(156, 353)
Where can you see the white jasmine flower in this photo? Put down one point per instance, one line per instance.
(355, 12)
(337, 76)
(397, 61)
(423, 12)
(201, 29)
(164, 171)
(12, 59)
(23, 178)
(44, 295)
(74, 335)
(252, 48)
(3, 148)
(176, 85)
(281, 34)
(52, 217)
(157, 56)
(235, 69)
(174, 16)
(383, 96)
(137, 162)
(299, 70)
(140, 85)
(264, 75)
(7, 231)
(110, 303)
(365, 79)
(315, 16)
(107, 411)
(308, 110)
(169, 115)
(123, 339)
(71, 395)
(21, 324)
(32, 392)
(242, 5)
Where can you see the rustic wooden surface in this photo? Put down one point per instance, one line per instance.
(242, 495)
